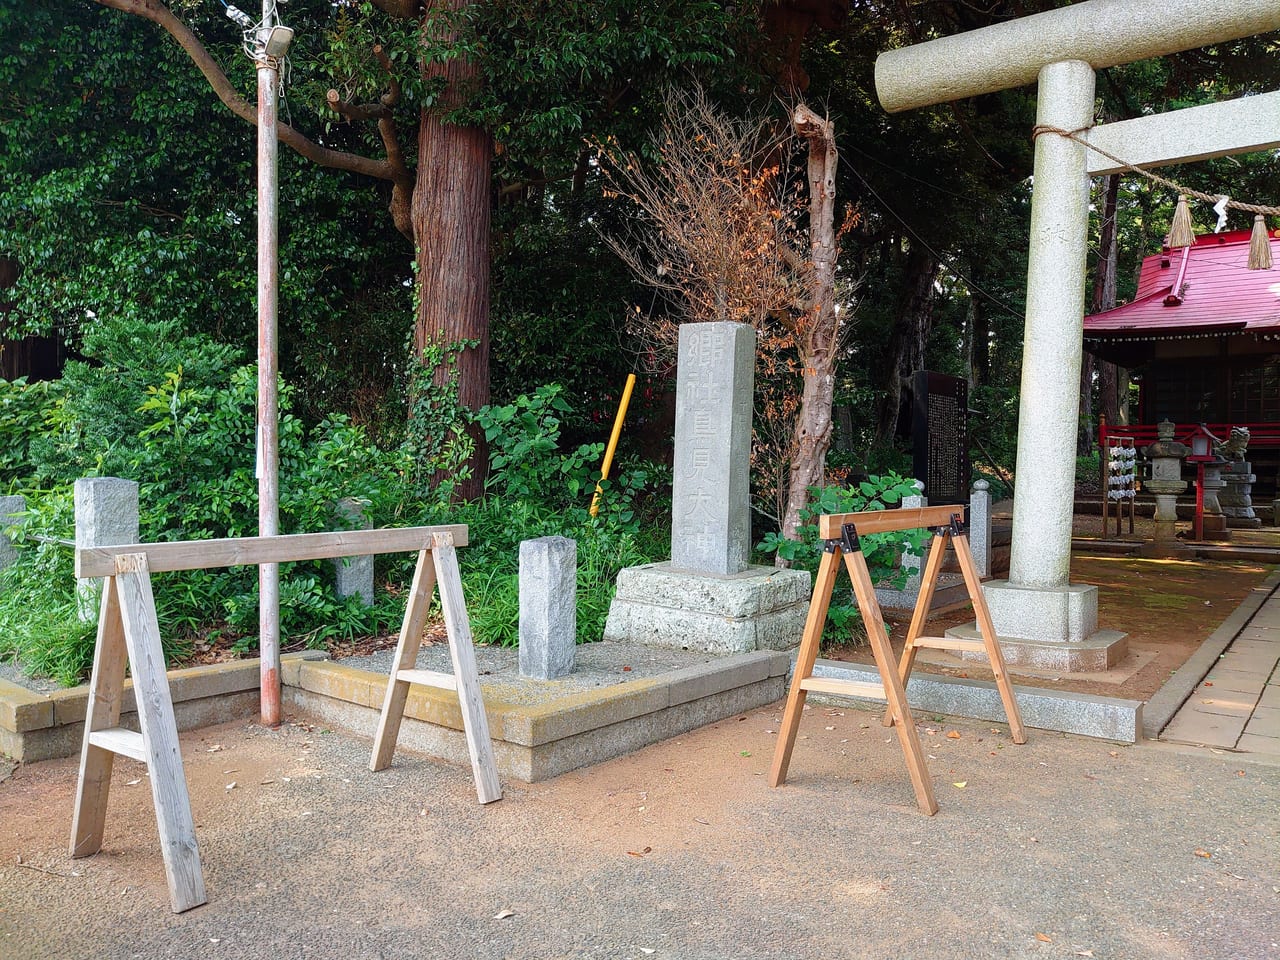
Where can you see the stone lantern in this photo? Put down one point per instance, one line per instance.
(1166, 480)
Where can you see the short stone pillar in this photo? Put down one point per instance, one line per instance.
(1237, 496)
(1214, 520)
(8, 507)
(1166, 480)
(106, 515)
(904, 597)
(980, 527)
(548, 607)
(353, 576)
(708, 598)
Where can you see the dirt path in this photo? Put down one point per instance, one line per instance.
(1060, 848)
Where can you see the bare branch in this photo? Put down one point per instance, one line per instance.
(392, 96)
(356, 111)
(159, 14)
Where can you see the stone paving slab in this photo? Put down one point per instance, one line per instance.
(1265, 722)
(1205, 729)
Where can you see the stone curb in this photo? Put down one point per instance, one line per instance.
(37, 726)
(515, 718)
(1168, 700)
(1105, 718)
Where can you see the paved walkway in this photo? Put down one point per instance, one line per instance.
(1237, 705)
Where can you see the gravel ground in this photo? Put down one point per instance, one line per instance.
(1063, 847)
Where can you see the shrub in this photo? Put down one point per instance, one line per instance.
(882, 551)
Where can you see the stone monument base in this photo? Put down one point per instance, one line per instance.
(1166, 550)
(762, 608)
(1244, 523)
(1048, 628)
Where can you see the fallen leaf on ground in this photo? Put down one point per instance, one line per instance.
(953, 734)
(1044, 938)
(960, 784)
(503, 914)
(1203, 853)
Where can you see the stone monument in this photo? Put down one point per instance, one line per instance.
(708, 597)
(1040, 616)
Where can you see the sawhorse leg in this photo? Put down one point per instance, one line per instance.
(928, 583)
(893, 689)
(438, 565)
(128, 615)
(805, 658)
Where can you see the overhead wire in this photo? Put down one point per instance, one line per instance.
(942, 262)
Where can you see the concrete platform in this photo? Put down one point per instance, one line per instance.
(620, 697)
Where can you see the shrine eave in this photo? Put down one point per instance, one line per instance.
(1204, 290)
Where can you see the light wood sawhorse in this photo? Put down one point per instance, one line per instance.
(840, 533)
(128, 633)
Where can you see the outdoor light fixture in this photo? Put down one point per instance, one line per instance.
(275, 40)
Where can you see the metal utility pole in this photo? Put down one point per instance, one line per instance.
(268, 437)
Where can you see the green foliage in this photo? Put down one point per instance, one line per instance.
(524, 450)
(534, 490)
(882, 551)
(24, 417)
(38, 594)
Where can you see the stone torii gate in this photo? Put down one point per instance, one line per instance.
(1042, 618)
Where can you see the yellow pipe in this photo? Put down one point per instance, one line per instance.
(613, 440)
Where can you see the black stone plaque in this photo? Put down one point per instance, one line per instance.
(940, 437)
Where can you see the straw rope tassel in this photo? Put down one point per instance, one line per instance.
(1259, 245)
(1182, 233)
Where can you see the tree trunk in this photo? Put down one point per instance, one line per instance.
(819, 333)
(908, 341)
(451, 206)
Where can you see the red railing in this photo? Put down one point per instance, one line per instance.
(1260, 434)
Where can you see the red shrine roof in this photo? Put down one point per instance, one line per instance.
(1198, 291)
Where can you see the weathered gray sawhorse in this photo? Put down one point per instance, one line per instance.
(128, 633)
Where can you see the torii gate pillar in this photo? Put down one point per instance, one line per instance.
(1043, 619)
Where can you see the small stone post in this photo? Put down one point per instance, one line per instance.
(8, 507)
(980, 527)
(354, 575)
(106, 515)
(904, 598)
(548, 607)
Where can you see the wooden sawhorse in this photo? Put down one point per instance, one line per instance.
(840, 533)
(128, 633)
